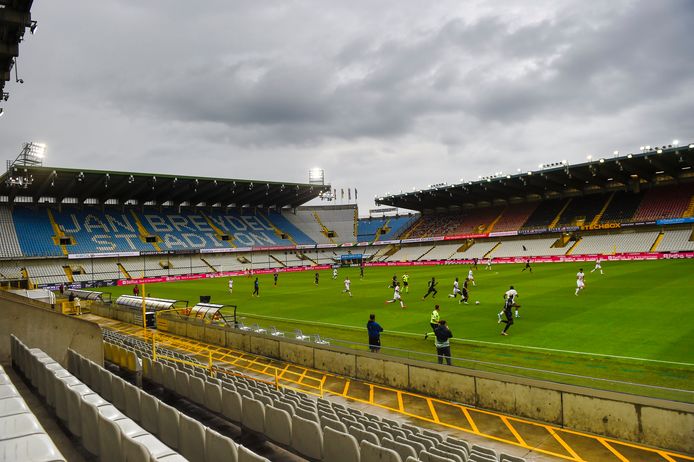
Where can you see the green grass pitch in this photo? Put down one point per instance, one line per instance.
(631, 325)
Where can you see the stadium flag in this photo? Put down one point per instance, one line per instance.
(355, 194)
(349, 194)
(342, 193)
(524, 249)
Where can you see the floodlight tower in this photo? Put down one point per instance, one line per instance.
(316, 176)
(32, 155)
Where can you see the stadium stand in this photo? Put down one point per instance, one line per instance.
(297, 235)
(34, 232)
(311, 427)
(622, 207)
(677, 240)
(9, 244)
(544, 214)
(527, 248)
(21, 437)
(664, 202)
(411, 253)
(325, 225)
(384, 228)
(514, 216)
(581, 210)
(477, 250)
(94, 230)
(615, 243)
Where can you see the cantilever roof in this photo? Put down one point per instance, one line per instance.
(150, 188)
(666, 165)
(15, 17)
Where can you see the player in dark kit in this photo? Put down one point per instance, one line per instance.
(431, 289)
(465, 294)
(256, 288)
(394, 282)
(275, 276)
(315, 279)
(508, 312)
(527, 266)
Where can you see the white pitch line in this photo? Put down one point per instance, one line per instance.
(342, 326)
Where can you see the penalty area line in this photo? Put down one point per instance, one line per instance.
(483, 342)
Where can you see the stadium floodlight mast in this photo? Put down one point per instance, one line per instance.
(316, 175)
(32, 155)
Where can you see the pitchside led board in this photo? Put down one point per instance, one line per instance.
(351, 259)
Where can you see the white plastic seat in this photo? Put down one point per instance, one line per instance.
(213, 397)
(253, 415)
(14, 426)
(373, 453)
(278, 425)
(192, 438)
(168, 423)
(339, 446)
(219, 447)
(38, 447)
(307, 438)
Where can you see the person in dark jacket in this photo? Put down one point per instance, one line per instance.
(374, 329)
(443, 342)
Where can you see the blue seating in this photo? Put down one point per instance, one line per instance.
(34, 232)
(368, 227)
(285, 225)
(94, 230)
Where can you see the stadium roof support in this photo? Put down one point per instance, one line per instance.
(632, 172)
(15, 17)
(39, 182)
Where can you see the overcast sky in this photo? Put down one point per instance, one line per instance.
(384, 95)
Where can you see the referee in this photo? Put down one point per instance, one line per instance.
(434, 321)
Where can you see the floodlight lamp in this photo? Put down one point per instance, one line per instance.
(642, 148)
(675, 143)
(616, 153)
(541, 165)
(648, 148)
(691, 146)
(590, 157)
(659, 151)
(629, 156)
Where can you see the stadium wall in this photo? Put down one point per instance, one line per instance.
(655, 422)
(37, 325)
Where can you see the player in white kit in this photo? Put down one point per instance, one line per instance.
(598, 266)
(347, 284)
(580, 283)
(231, 285)
(396, 296)
(470, 277)
(334, 273)
(456, 289)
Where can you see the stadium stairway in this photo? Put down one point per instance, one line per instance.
(406, 409)
(556, 219)
(598, 216)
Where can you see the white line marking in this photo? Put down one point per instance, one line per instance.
(344, 326)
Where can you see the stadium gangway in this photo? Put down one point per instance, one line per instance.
(103, 297)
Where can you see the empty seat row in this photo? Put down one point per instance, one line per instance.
(102, 428)
(316, 429)
(310, 427)
(176, 430)
(21, 435)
